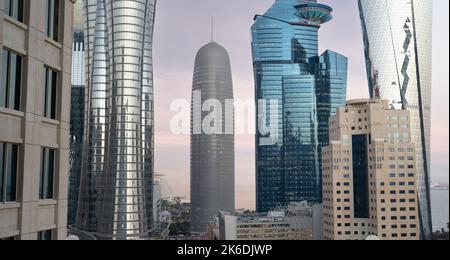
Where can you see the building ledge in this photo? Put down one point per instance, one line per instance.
(11, 112)
(49, 121)
(9, 205)
(54, 43)
(50, 202)
(16, 22)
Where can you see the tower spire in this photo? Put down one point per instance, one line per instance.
(212, 29)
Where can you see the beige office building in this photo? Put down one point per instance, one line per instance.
(369, 175)
(35, 68)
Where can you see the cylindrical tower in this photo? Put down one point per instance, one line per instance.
(212, 137)
(118, 163)
(94, 152)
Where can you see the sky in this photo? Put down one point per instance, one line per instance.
(183, 26)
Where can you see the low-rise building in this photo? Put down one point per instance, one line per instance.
(293, 222)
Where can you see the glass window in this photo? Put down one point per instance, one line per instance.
(11, 80)
(52, 22)
(45, 235)
(50, 92)
(8, 172)
(47, 174)
(14, 9)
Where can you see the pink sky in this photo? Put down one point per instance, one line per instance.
(182, 27)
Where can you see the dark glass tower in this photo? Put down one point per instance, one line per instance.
(77, 112)
(212, 152)
(308, 88)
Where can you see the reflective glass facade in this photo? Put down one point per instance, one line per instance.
(360, 156)
(309, 87)
(117, 170)
(398, 42)
(77, 111)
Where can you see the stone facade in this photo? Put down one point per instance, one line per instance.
(28, 216)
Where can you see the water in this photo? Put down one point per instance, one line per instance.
(439, 208)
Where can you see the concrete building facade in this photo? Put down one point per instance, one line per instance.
(293, 222)
(35, 71)
(369, 180)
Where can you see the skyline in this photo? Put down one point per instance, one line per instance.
(173, 78)
(207, 119)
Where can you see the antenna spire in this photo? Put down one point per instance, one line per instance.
(212, 29)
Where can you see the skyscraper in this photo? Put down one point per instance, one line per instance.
(212, 137)
(397, 38)
(369, 174)
(117, 171)
(77, 111)
(307, 87)
(36, 44)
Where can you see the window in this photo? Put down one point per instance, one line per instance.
(45, 235)
(8, 172)
(14, 9)
(11, 80)
(47, 174)
(52, 23)
(8, 239)
(50, 89)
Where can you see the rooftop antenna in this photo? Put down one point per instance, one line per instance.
(212, 29)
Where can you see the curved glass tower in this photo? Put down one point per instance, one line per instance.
(212, 137)
(308, 89)
(398, 45)
(117, 176)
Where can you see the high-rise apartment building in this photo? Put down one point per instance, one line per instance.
(308, 88)
(212, 137)
(369, 174)
(77, 111)
(35, 72)
(115, 199)
(398, 46)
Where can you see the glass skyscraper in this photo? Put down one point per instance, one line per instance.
(398, 45)
(117, 171)
(212, 152)
(308, 89)
(77, 111)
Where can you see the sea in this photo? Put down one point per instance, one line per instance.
(439, 208)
